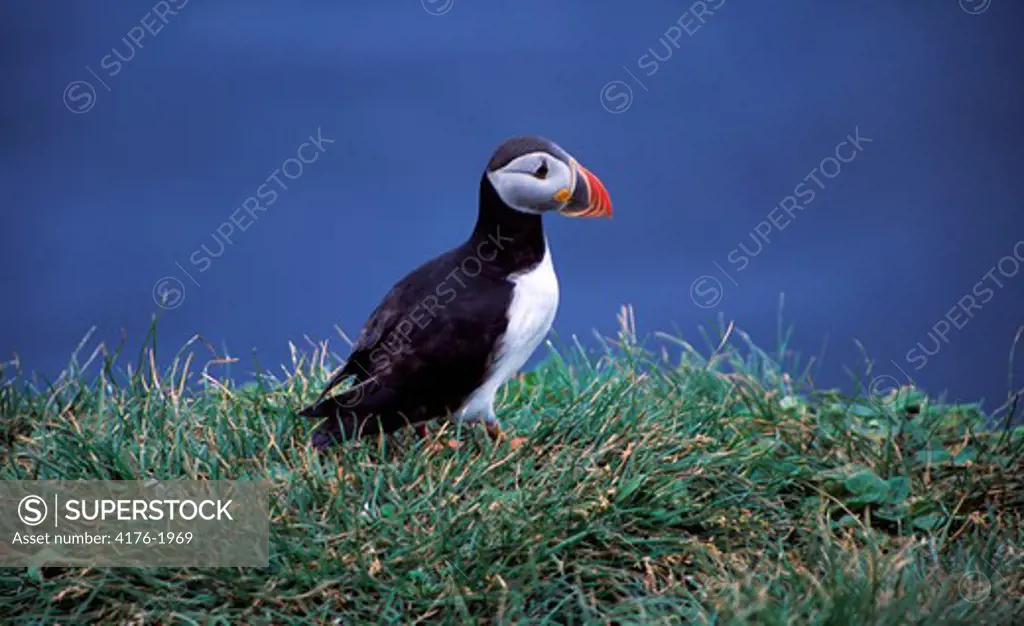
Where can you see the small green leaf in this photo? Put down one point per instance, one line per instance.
(930, 521)
(899, 489)
(867, 487)
(845, 521)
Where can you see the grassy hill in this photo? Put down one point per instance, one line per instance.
(653, 489)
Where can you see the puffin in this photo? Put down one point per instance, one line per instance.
(449, 334)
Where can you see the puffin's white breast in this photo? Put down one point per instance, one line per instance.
(530, 316)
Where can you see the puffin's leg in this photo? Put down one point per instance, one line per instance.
(496, 432)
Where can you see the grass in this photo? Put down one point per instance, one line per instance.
(653, 489)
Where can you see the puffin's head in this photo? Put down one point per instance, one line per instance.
(534, 175)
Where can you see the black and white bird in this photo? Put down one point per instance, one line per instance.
(449, 334)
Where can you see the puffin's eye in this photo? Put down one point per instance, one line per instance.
(542, 171)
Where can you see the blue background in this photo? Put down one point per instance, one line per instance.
(99, 205)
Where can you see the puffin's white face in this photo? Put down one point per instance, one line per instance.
(535, 183)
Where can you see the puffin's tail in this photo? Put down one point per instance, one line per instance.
(339, 424)
(326, 435)
(350, 414)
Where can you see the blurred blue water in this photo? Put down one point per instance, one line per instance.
(114, 185)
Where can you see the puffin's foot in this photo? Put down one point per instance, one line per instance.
(497, 434)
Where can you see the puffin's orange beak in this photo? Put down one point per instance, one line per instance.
(589, 198)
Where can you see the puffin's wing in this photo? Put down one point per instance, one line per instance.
(429, 341)
(413, 380)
